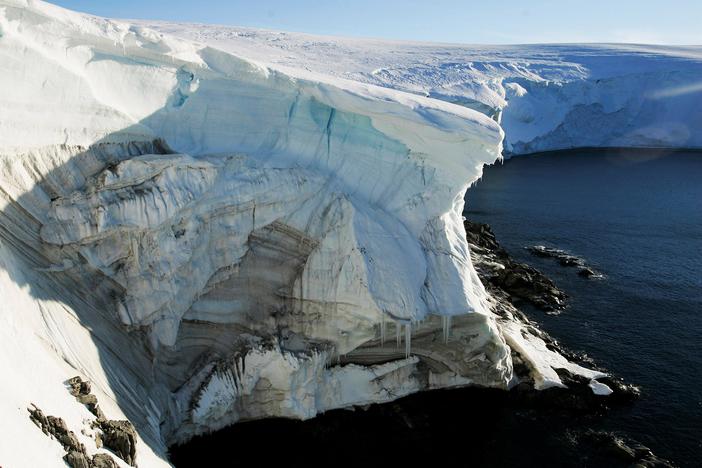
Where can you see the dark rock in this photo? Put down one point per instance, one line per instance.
(102, 460)
(57, 428)
(627, 451)
(70, 441)
(38, 418)
(120, 437)
(568, 260)
(78, 386)
(481, 235)
(80, 389)
(524, 282)
(88, 399)
(564, 259)
(517, 280)
(620, 450)
(621, 392)
(587, 272)
(57, 425)
(76, 459)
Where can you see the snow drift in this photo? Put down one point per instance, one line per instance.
(208, 239)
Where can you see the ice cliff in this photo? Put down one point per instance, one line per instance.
(208, 239)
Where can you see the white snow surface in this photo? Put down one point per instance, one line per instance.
(203, 225)
(546, 97)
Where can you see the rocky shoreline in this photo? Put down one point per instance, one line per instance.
(507, 278)
(514, 282)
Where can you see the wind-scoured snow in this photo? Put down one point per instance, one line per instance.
(214, 233)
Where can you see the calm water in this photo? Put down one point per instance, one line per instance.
(636, 217)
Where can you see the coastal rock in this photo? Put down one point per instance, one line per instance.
(524, 282)
(625, 450)
(587, 272)
(481, 235)
(565, 259)
(518, 280)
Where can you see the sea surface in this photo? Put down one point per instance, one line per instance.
(636, 217)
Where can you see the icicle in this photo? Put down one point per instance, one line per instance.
(446, 326)
(382, 332)
(408, 339)
(398, 335)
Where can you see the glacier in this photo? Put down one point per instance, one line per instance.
(545, 97)
(211, 225)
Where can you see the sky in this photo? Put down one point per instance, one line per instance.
(471, 22)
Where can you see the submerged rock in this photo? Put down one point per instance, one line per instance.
(624, 450)
(587, 272)
(564, 259)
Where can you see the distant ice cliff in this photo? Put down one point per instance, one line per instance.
(546, 97)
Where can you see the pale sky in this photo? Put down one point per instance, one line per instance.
(484, 22)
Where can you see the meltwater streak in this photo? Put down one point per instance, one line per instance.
(636, 216)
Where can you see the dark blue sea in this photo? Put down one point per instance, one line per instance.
(636, 217)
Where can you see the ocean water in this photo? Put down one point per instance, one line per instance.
(635, 216)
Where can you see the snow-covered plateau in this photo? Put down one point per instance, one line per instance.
(216, 224)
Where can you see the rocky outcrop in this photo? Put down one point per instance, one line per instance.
(76, 454)
(102, 460)
(565, 259)
(518, 281)
(120, 437)
(622, 450)
(80, 389)
(56, 427)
